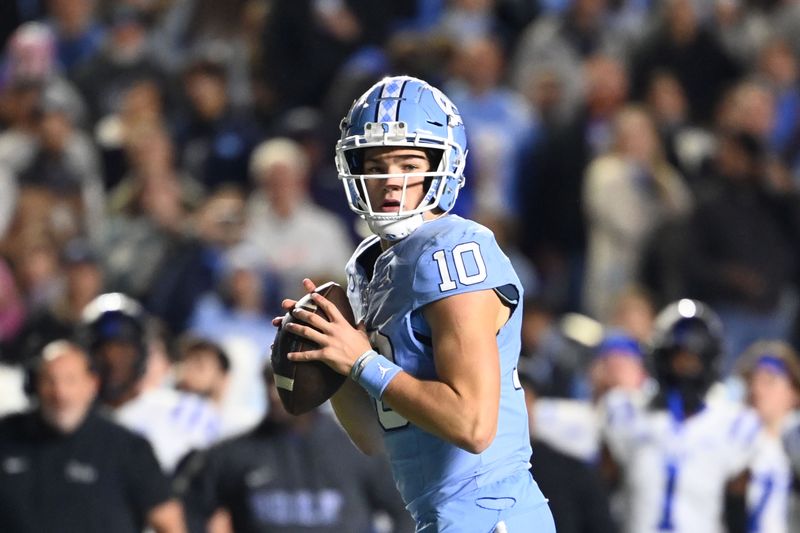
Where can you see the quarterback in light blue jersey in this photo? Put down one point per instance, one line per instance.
(433, 362)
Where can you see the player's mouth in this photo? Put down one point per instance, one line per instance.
(390, 206)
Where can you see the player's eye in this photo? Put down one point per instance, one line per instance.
(373, 169)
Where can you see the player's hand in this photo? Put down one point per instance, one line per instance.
(288, 304)
(340, 343)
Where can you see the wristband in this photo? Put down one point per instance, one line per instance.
(374, 372)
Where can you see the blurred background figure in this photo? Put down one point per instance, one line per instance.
(126, 352)
(627, 193)
(123, 59)
(203, 368)
(679, 451)
(572, 426)
(214, 138)
(771, 370)
(580, 506)
(293, 233)
(236, 315)
(288, 474)
(554, 213)
(740, 239)
(67, 468)
(79, 34)
(502, 126)
(83, 280)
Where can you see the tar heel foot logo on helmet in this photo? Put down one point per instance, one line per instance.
(402, 112)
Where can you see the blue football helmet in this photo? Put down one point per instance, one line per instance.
(402, 111)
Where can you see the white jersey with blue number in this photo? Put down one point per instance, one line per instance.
(769, 488)
(675, 473)
(443, 257)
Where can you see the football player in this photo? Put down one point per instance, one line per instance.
(679, 450)
(772, 373)
(433, 365)
(115, 331)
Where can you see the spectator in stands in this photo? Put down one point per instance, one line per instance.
(203, 368)
(294, 235)
(290, 473)
(79, 36)
(66, 468)
(136, 240)
(30, 66)
(37, 269)
(686, 145)
(237, 317)
(121, 339)
(142, 108)
(59, 319)
(64, 162)
(214, 139)
(554, 212)
(682, 45)
(778, 70)
(563, 42)
(502, 125)
(740, 243)
(628, 192)
(331, 31)
(226, 31)
(124, 59)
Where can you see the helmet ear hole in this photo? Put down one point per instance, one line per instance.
(434, 158)
(355, 160)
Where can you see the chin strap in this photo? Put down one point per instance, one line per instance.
(394, 230)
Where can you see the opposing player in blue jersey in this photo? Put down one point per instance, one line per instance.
(433, 363)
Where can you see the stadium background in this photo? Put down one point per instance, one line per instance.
(181, 152)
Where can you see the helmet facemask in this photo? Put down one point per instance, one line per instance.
(436, 126)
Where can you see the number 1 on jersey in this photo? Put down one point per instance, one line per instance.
(666, 516)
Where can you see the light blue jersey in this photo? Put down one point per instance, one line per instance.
(443, 257)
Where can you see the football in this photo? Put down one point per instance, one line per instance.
(302, 386)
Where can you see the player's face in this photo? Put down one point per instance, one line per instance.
(617, 370)
(772, 394)
(686, 364)
(66, 389)
(117, 361)
(200, 373)
(386, 195)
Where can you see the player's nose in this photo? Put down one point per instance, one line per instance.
(393, 183)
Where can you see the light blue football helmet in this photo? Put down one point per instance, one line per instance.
(405, 112)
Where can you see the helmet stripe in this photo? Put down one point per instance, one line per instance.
(389, 101)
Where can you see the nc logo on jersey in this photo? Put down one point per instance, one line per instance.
(449, 108)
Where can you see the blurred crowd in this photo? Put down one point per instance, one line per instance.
(626, 153)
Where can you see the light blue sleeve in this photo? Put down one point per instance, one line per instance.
(464, 259)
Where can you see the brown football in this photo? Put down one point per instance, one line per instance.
(302, 386)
